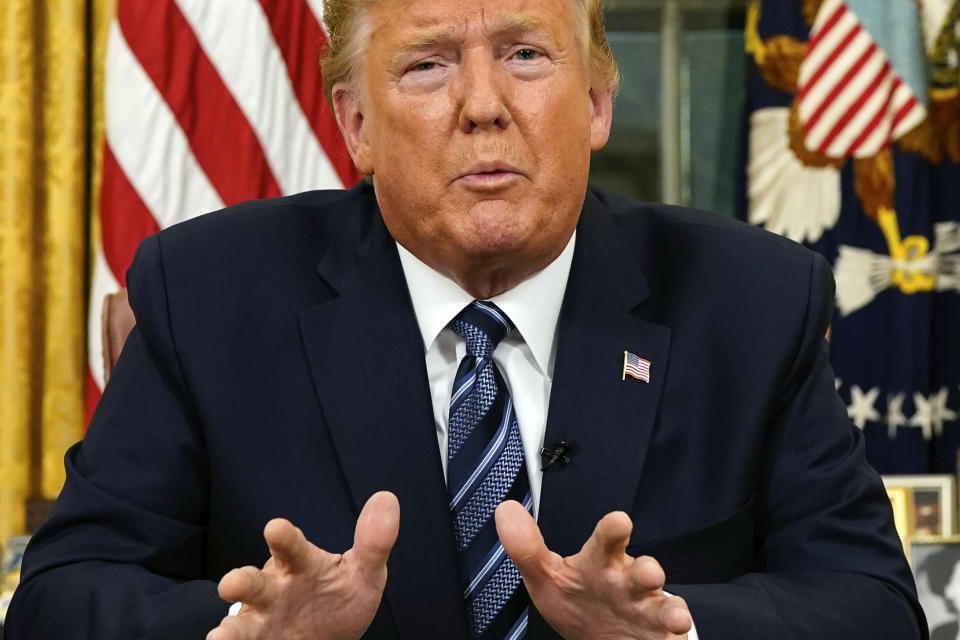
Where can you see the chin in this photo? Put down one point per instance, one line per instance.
(501, 226)
(493, 248)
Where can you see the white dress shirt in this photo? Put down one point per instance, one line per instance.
(525, 357)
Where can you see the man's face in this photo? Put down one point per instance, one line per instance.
(476, 120)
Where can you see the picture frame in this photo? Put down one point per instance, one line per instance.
(901, 499)
(933, 499)
(956, 485)
(936, 568)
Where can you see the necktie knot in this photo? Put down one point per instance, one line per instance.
(482, 325)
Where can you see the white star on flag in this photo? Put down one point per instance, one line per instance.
(939, 411)
(932, 413)
(862, 409)
(895, 417)
(923, 417)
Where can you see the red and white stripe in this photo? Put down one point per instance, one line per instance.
(208, 103)
(852, 102)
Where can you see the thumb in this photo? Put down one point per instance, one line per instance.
(521, 539)
(377, 530)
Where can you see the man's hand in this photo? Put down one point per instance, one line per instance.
(599, 593)
(305, 592)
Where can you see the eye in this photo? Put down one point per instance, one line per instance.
(426, 65)
(526, 54)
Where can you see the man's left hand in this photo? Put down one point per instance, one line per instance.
(600, 592)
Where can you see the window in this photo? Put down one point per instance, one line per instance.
(677, 123)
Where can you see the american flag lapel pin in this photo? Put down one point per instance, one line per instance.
(635, 367)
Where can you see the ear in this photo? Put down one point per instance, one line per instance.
(349, 113)
(601, 116)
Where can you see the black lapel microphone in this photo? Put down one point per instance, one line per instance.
(558, 453)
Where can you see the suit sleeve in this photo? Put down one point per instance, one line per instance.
(829, 563)
(123, 553)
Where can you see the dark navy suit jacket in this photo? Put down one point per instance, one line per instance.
(277, 369)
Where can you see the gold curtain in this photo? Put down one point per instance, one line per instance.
(51, 56)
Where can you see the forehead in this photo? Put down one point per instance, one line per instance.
(394, 22)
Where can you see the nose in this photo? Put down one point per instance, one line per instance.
(482, 85)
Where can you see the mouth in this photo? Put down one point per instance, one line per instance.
(489, 175)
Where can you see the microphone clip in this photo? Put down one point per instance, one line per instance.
(559, 454)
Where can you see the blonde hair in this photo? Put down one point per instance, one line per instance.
(347, 34)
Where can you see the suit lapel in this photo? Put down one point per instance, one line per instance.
(366, 356)
(609, 419)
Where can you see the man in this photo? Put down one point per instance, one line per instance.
(291, 356)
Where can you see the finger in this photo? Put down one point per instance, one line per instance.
(646, 575)
(608, 542)
(288, 546)
(377, 530)
(675, 616)
(521, 539)
(246, 584)
(233, 628)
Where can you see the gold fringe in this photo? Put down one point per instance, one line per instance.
(806, 156)
(810, 10)
(752, 42)
(875, 183)
(938, 136)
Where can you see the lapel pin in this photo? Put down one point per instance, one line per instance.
(635, 367)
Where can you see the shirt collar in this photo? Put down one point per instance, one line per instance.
(533, 305)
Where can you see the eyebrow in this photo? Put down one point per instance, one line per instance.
(510, 24)
(516, 23)
(426, 40)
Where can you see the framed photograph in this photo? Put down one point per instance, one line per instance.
(957, 485)
(901, 498)
(934, 503)
(936, 567)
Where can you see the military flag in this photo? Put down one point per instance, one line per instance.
(853, 148)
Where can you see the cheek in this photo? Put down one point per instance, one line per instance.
(412, 138)
(563, 128)
(418, 115)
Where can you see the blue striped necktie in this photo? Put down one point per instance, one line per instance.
(485, 467)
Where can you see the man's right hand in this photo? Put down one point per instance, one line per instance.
(305, 592)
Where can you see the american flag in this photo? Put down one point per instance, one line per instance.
(208, 103)
(635, 367)
(858, 87)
